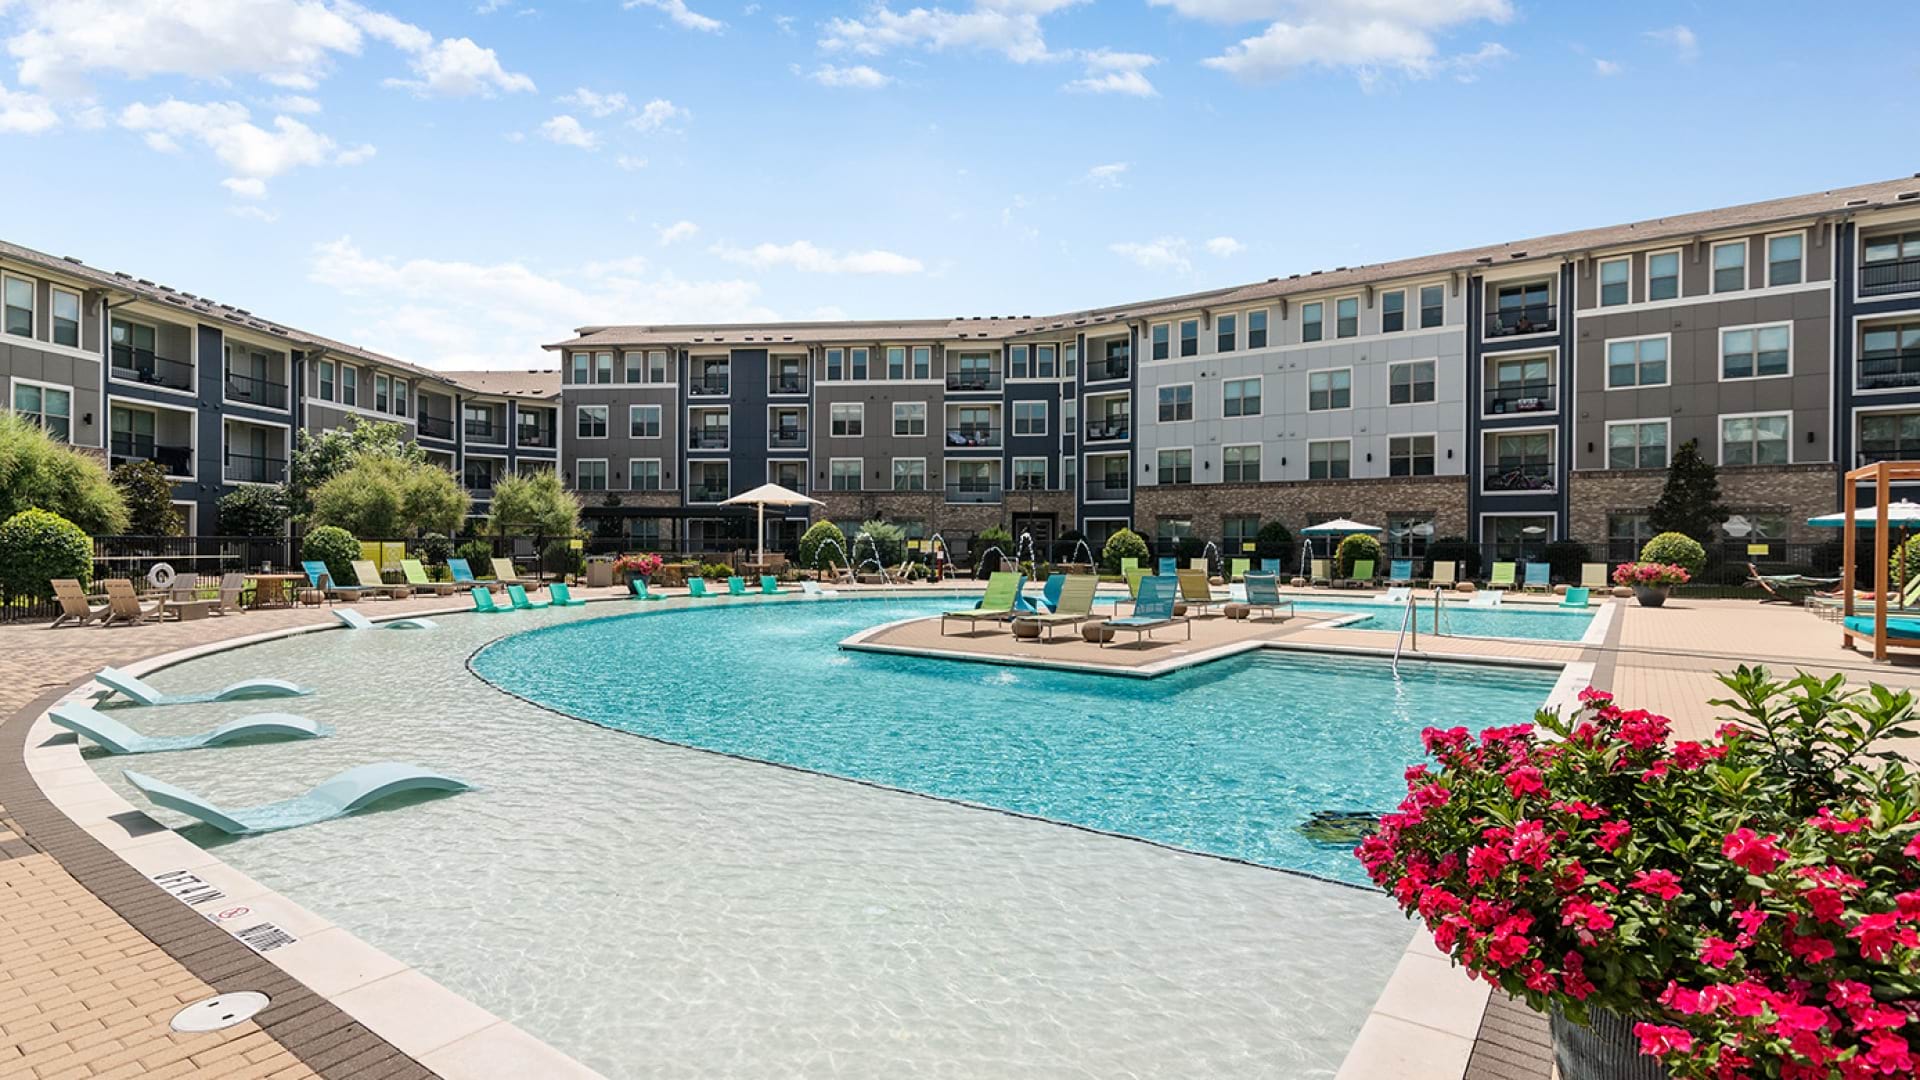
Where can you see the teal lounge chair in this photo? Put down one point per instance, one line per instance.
(736, 586)
(117, 738)
(1003, 589)
(342, 794)
(518, 594)
(1400, 572)
(1050, 593)
(357, 621)
(463, 575)
(319, 578)
(639, 588)
(812, 588)
(1263, 594)
(245, 690)
(1152, 609)
(1577, 596)
(1899, 627)
(562, 595)
(769, 585)
(483, 602)
(1270, 567)
(1538, 575)
(1167, 566)
(697, 588)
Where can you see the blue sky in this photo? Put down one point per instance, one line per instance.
(457, 183)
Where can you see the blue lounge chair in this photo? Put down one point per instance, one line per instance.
(1270, 567)
(1400, 572)
(769, 585)
(562, 596)
(245, 690)
(357, 621)
(736, 586)
(1050, 593)
(1152, 609)
(118, 738)
(639, 587)
(1263, 594)
(483, 602)
(1538, 576)
(812, 588)
(344, 793)
(463, 575)
(518, 594)
(318, 577)
(1899, 627)
(697, 588)
(1576, 596)
(1168, 566)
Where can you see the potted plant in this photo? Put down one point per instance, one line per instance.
(1742, 906)
(1651, 581)
(642, 566)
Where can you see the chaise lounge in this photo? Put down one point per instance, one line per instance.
(356, 621)
(245, 690)
(1003, 590)
(340, 794)
(117, 738)
(1151, 611)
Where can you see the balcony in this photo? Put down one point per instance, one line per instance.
(1889, 276)
(1113, 427)
(478, 482)
(706, 491)
(973, 437)
(177, 460)
(150, 368)
(1889, 369)
(712, 384)
(536, 438)
(1107, 489)
(1515, 320)
(1109, 369)
(787, 438)
(485, 431)
(1509, 398)
(1518, 476)
(973, 380)
(254, 469)
(708, 439)
(436, 427)
(249, 390)
(787, 382)
(973, 491)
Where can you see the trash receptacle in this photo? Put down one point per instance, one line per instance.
(599, 572)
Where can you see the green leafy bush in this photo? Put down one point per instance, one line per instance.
(1124, 544)
(1454, 549)
(1678, 549)
(535, 505)
(148, 495)
(381, 496)
(1566, 557)
(253, 510)
(1274, 542)
(432, 548)
(37, 546)
(561, 557)
(1355, 548)
(717, 570)
(1066, 547)
(334, 546)
(478, 554)
(38, 472)
(822, 543)
(890, 540)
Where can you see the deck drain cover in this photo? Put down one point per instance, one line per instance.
(219, 1011)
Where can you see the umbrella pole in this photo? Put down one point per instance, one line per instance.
(760, 540)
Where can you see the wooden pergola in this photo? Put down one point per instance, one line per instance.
(1883, 475)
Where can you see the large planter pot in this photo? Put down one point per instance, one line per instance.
(1607, 1050)
(1651, 595)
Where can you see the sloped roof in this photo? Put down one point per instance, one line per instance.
(538, 382)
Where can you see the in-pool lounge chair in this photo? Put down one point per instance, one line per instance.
(1400, 572)
(418, 581)
(357, 621)
(124, 605)
(1073, 605)
(770, 585)
(638, 587)
(812, 588)
(75, 607)
(341, 794)
(697, 588)
(1577, 596)
(1152, 610)
(367, 576)
(561, 595)
(1263, 594)
(518, 595)
(1502, 576)
(504, 573)
(117, 738)
(1443, 574)
(737, 586)
(1395, 594)
(137, 690)
(996, 606)
(483, 601)
(463, 575)
(1538, 575)
(1593, 575)
(1486, 599)
(1195, 591)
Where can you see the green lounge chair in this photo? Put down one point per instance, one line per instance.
(769, 585)
(1195, 592)
(1152, 610)
(483, 601)
(130, 686)
(1577, 596)
(1003, 588)
(1133, 589)
(518, 594)
(697, 588)
(1362, 573)
(1238, 569)
(639, 590)
(117, 738)
(1073, 607)
(418, 581)
(356, 621)
(562, 595)
(1128, 565)
(1263, 594)
(736, 586)
(1502, 576)
(341, 794)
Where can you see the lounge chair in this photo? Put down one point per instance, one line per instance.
(340, 794)
(117, 738)
(1833, 605)
(1899, 627)
(1200, 564)
(504, 573)
(736, 586)
(1787, 588)
(463, 575)
(357, 621)
(518, 595)
(1577, 596)
(1071, 607)
(1195, 591)
(1502, 576)
(1593, 575)
(560, 594)
(418, 581)
(1487, 599)
(1395, 594)
(125, 606)
(697, 588)
(483, 601)
(1400, 572)
(1270, 567)
(1362, 575)
(638, 587)
(75, 607)
(1538, 575)
(1003, 588)
(232, 585)
(812, 588)
(367, 577)
(1443, 574)
(1133, 579)
(1166, 566)
(1237, 569)
(1049, 595)
(1128, 564)
(1152, 610)
(1263, 594)
(319, 577)
(132, 687)
(770, 585)
(1321, 572)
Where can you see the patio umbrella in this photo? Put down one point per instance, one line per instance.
(1902, 513)
(762, 497)
(1338, 527)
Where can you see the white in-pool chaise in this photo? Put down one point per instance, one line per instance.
(341, 794)
(118, 738)
(357, 621)
(133, 687)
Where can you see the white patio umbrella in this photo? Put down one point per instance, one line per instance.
(1903, 513)
(762, 497)
(1338, 527)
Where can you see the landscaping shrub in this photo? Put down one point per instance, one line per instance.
(38, 472)
(432, 549)
(253, 510)
(37, 546)
(719, 570)
(478, 553)
(337, 548)
(1676, 548)
(1274, 542)
(561, 557)
(1566, 557)
(993, 536)
(148, 495)
(381, 496)
(1067, 546)
(815, 550)
(1355, 548)
(537, 505)
(1454, 549)
(890, 540)
(1125, 544)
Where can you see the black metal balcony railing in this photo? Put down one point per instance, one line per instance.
(255, 469)
(1109, 489)
(1520, 319)
(436, 427)
(538, 438)
(1518, 476)
(708, 439)
(1108, 370)
(787, 382)
(1519, 398)
(177, 460)
(1890, 275)
(477, 483)
(1029, 483)
(485, 431)
(973, 380)
(146, 366)
(787, 438)
(1886, 369)
(1108, 429)
(252, 390)
(707, 493)
(973, 436)
(709, 385)
(973, 491)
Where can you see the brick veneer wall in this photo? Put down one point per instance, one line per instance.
(1306, 502)
(939, 515)
(1798, 491)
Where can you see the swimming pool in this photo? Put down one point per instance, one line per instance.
(1529, 622)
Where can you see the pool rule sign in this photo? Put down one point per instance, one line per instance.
(240, 920)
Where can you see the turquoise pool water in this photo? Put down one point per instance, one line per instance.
(1228, 758)
(1528, 622)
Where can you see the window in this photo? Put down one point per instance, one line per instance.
(582, 366)
(909, 419)
(1237, 531)
(1637, 362)
(1310, 321)
(1757, 352)
(1890, 356)
(349, 385)
(1069, 414)
(1160, 336)
(643, 421)
(643, 474)
(66, 318)
(1226, 333)
(1783, 259)
(1029, 418)
(1520, 461)
(1433, 306)
(19, 305)
(1614, 275)
(1730, 266)
(1176, 467)
(910, 474)
(1889, 437)
(1029, 474)
(836, 364)
(603, 367)
(1663, 275)
(326, 380)
(656, 365)
(1257, 328)
(1523, 309)
(477, 473)
(1332, 460)
(923, 361)
(399, 398)
(1240, 464)
(1407, 534)
(1169, 531)
(1754, 440)
(972, 425)
(844, 474)
(633, 367)
(849, 419)
(590, 421)
(1017, 362)
(1346, 317)
(1890, 262)
(1243, 397)
(382, 392)
(1637, 444)
(1176, 403)
(1189, 337)
(645, 534)
(1070, 361)
(590, 474)
(1068, 472)
(1627, 532)
(857, 364)
(1410, 455)
(1043, 361)
(1393, 311)
(1329, 390)
(791, 475)
(50, 408)
(896, 362)
(1410, 383)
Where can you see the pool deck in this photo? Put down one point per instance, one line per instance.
(95, 958)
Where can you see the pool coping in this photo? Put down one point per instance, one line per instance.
(348, 1005)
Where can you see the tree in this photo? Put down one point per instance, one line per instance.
(36, 547)
(1690, 503)
(38, 473)
(148, 495)
(334, 546)
(319, 458)
(253, 510)
(381, 496)
(886, 542)
(822, 543)
(538, 504)
(1123, 544)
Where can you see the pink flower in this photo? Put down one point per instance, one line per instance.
(1810, 949)
(1524, 781)
(1753, 853)
(1613, 834)
(1826, 905)
(1825, 821)
(1717, 953)
(1661, 883)
(1660, 1039)
(1912, 850)
(1878, 934)
(1573, 976)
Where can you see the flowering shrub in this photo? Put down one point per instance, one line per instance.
(641, 566)
(1650, 574)
(1751, 901)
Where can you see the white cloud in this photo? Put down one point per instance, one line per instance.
(567, 131)
(22, 113)
(678, 231)
(355, 156)
(254, 213)
(1680, 39)
(250, 187)
(858, 76)
(630, 163)
(456, 314)
(601, 105)
(456, 67)
(1605, 68)
(1110, 72)
(807, 258)
(1164, 253)
(1009, 27)
(1367, 37)
(295, 103)
(252, 153)
(678, 11)
(1225, 247)
(1107, 175)
(658, 114)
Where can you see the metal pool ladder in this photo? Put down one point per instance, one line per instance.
(1410, 625)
